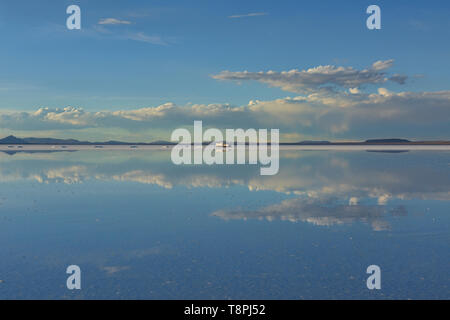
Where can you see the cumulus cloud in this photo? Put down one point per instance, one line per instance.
(328, 114)
(360, 115)
(332, 105)
(382, 65)
(329, 77)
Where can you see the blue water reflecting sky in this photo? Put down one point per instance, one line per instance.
(140, 227)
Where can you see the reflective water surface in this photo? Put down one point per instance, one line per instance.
(141, 227)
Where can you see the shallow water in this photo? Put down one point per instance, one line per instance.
(140, 227)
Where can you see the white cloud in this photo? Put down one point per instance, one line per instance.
(323, 113)
(113, 21)
(142, 37)
(253, 14)
(382, 65)
(333, 106)
(313, 79)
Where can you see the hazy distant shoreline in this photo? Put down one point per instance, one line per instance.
(377, 147)
(53, 142)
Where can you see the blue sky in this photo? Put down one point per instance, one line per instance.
(172, 51)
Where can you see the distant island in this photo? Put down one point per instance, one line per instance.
(12, 140)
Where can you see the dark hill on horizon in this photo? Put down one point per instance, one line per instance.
(14, 140)
(387, 141)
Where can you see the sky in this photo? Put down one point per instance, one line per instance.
(137, 70)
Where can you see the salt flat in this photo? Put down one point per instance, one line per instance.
(166, 147)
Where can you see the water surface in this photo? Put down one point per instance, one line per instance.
(141, 227)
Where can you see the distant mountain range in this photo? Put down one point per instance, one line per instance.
(51, 141)
(372, 142)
